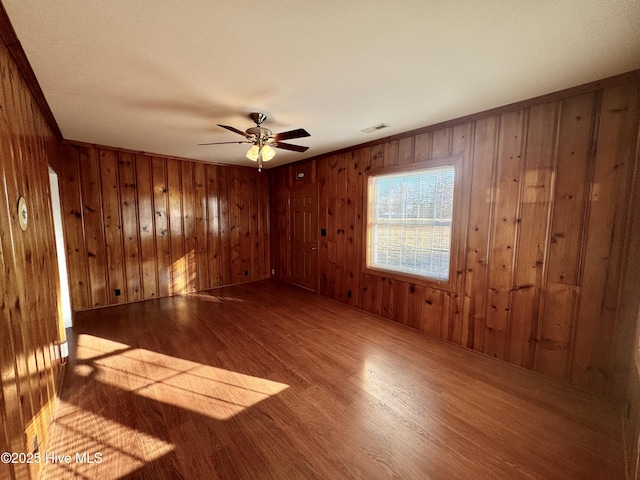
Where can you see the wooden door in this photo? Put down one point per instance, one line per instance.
(304, 237)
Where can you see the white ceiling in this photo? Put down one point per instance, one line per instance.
(158, 75)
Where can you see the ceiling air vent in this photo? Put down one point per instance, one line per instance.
(375, 128)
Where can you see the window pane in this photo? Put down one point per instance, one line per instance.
(411, 221)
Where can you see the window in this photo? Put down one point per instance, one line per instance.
(410, 221)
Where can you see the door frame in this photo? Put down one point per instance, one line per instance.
(66, 312)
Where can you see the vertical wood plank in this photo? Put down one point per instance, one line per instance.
(254, 239)
(601, 268)
(71, 204)
(375, 284)
(342, 218)
(110, 201)
(555, 330)
(480, 213)
(391, 153)
(569, 202)
(178, 263)
(161, 206)
(324, 194)
(214, 227)
(278, 208)
(415, 305)
(505, 230)
(189, 226)
(6, 471)
(130, 228)
(458, 327)
(244, 227)
(94, 228)
(445, 318)
(351, 233)
(554, 351)
(406, 147)
(147, 229)
(423, 144)
(224, 224)
(400, 294)
(202, 220)
(538, 190)
(235, 233)
(387, 299)
(432, 312)
(441, 146)
(264, 229)
(332, 226)
(363, 160)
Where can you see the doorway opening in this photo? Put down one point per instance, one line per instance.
(65, 297)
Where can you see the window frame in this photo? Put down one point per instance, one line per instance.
(456, 223)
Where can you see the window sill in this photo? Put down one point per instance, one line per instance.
(408, 278)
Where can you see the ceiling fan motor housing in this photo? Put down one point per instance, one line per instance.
(260, 133)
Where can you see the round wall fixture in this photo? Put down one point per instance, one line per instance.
(23, 216)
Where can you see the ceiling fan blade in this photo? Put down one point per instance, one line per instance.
(288, 146)
(223, 143)
(234, 130)
(297, 133)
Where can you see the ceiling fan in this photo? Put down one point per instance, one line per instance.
(264, 141)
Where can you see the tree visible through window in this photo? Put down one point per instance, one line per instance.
(410, 222)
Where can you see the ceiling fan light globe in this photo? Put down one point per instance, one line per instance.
(253, 153)
(267, 153)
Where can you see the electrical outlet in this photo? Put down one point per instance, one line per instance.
(246, 273)
(116, 292)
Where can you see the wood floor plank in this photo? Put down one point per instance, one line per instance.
(265, 381)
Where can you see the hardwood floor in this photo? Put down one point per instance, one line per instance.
(262, 381)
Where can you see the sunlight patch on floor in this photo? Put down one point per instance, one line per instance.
(216, 298)
(88, 445)
(210, 391)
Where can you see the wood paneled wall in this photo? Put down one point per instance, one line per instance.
(153, 227)
(632, 424)
(630, 366)
(545, 216)
(30, 321)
